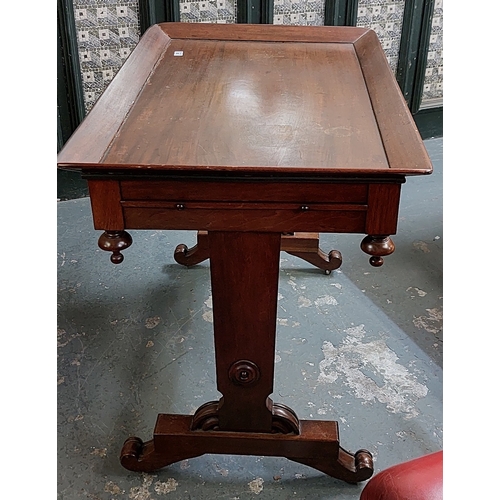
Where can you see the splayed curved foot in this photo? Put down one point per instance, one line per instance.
(346, 466)
(302, 245)
(314, 443)
(320, 259)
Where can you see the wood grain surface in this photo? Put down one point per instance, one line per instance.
(226, 103)
(253, 99)
(94, 135)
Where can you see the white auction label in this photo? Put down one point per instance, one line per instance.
(178, 52)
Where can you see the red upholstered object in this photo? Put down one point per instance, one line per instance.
(418, 479)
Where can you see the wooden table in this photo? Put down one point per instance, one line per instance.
(251, 134)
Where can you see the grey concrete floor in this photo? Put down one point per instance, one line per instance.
(362, 346)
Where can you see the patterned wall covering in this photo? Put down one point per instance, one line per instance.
(299, 12)
(107, 31)
(385, 17)
(433, 82)
(208, 11)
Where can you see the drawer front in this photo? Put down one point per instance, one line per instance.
(231, 191)
(265, 217)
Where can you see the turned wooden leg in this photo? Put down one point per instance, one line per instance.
(378, 247)
(115, 242)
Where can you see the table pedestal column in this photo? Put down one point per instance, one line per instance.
(244, 274)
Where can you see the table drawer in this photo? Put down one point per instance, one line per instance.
(231, 191)
(273, 217)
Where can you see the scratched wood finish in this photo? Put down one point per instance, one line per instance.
(323, 101)
(383, 203)
(192, 190)
(277, 219)
(94, 135)
(266, 33)
(105, 199)
(402, 141)
(234, 104)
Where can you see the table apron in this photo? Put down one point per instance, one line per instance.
(370, 208)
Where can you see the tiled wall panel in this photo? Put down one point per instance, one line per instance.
(433, 82)
(299, 12)
(107, 31)
(385, 17)
(208, 11)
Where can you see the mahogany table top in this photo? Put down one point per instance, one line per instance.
(251, 99)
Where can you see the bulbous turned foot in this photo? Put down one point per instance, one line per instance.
(378, 247)
(115, 242)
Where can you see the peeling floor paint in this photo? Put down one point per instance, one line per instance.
(63, 339)
(152, 322)
(221, 470)
(256, 486)
(208, 316)
(399, 390)
(325, 300)
(166, 487)
(422, 246)
(161, 488)
(304, 302)
(432, 322)
(142, 492)
(113, 488)
(100, 452)
(292, 283)
(420, 293)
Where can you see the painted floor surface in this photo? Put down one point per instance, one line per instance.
(362, 346)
